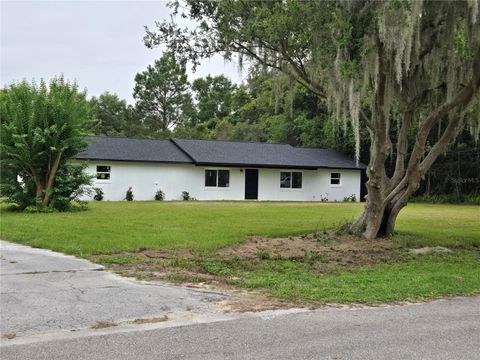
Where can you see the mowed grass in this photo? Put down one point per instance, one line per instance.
(110, 229)
(420, 278)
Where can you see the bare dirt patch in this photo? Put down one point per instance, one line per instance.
(224, 269)
(326, 251)
(430, 250)
(327, 248)
(244, 301)
(167, 254)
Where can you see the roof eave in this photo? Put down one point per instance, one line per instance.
(132, 160)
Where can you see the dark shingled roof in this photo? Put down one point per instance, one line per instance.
(214, 152)
(127, 149)
(237, 153)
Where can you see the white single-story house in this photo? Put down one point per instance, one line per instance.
(219, 170)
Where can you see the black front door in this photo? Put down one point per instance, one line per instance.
(251, 184)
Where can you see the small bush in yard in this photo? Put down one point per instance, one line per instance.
(263, 254)
(98, 196)
(350, 198)
(186, 195)
(129, 194)
(159, 195)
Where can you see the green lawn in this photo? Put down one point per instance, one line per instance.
(110, 228)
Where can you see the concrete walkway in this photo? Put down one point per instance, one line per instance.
(43, 291)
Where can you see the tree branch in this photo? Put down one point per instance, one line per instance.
(462, 98)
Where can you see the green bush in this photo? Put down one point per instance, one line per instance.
(71, 183)
(129, 194)
(350, 198)
(186, 195)
(98, 194)
(36, 209)
(159, 195)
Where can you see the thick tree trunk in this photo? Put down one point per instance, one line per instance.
(387, 196)
(378, 221)
(38, 184)
(51, 178)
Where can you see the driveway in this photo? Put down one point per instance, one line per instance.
(43, 291)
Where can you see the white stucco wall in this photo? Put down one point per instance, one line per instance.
(172, 179)
(315, 185)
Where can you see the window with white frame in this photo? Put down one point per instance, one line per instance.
(103, 172)
(335, 178)
(217, 178)
(291, 179)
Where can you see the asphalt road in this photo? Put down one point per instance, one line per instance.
(438, 330)
(42, 291)
(50, 301)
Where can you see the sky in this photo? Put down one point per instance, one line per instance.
(96, 43)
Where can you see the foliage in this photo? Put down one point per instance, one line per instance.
(457, 171)
(98, 194)
(186, 196)
(161, 95)
(74, 206)
(467, 199)
(71, 184)
(213, 96)
(32, 209)
(387, 67)
(159, 195)
(129, 194)
(350, 198)
(109, 113)
(217, 100)
(43, 127)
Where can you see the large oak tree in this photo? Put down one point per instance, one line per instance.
(400, 69)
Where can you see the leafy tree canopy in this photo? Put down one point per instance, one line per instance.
(395, 68)
(109, 112)
(161, 94)
(42, 128)
(213, 96)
